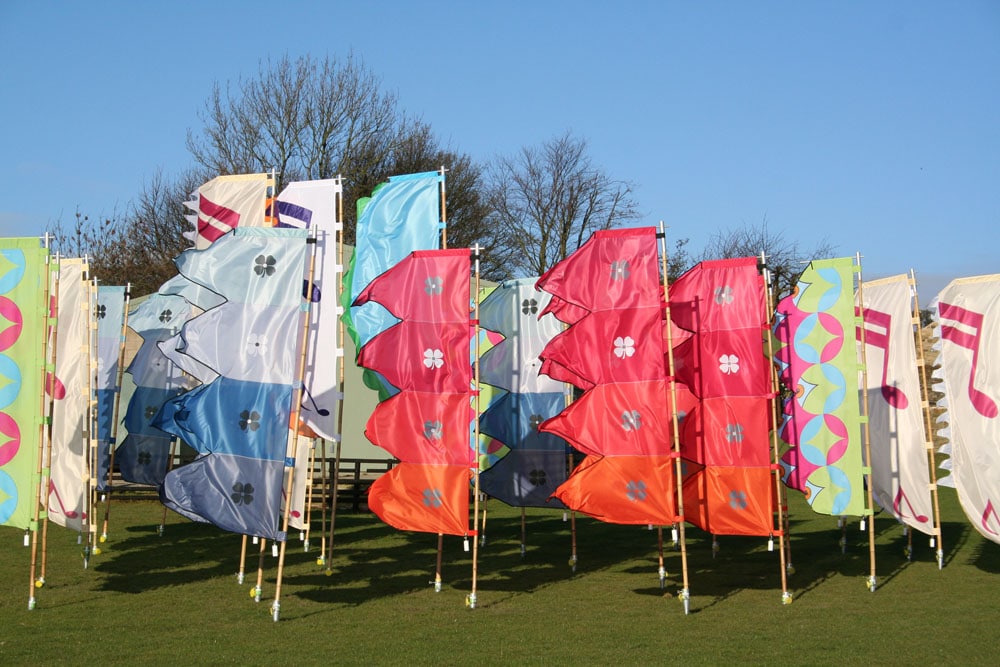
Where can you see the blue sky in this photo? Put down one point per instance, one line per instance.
(874, 125)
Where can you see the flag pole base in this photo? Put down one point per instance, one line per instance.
(40, 582)
(104, 538)
(786, 597)
(909, 553)
(321, 561)
(275, 610)
(31, 604)
(437, 585)
(790, 569)
(715, 548)
(470, 600)
(871, 582)
(940, 559)
(685, 597)
(305, 546)
(255, 593)
(159, 530)
(524, 550)
(663, 578)
(239, 578)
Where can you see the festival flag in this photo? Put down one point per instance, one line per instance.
(227, 202)
(817, 361)
(70, 472)
(629, 489)
(313, 205)
(401, 216)
(424, 498)
(615, 353)
(535, 463)
(426, 356)
(239, 422)
(23, 310)
(142, 456)
(967, 324)
(900, 474)
(110, 340)
(728, 488)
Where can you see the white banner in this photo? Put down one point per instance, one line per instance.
(900, 472)
(68, 487)
(967, 318)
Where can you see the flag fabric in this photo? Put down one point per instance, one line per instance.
(313, 205)
(613, 350)
(900, 474)
(227, 202)
(535, 463)
(423, 498)
(70, 472)
(142, 456)
(728, 488)
(239, 422)
(967, 324)
(110, 316)
(426, 424)
(401, 216)
(23, 284)
(817, 361)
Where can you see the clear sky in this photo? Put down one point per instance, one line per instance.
(874, 125)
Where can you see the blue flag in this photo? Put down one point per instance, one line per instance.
(239, 421)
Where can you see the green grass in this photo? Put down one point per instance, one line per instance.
(174, 599)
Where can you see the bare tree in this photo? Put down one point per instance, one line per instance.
(783, 256)
(312, 119)
(546, 201)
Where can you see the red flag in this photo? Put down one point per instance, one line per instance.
(564, 311)
(615, 268)
(610, 346)
(623, 489)
(722, 294)
(425, 498)
(730, 501)
(625, 418)
(422, 427)
(425, 286)
(728, 431)
(724, 363)
(422, 356)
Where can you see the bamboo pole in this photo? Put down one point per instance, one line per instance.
(44, 426)
(779, 488)
(258, 588)
(48, 440)
(524, 533)
(324, 482)
(936, 541)
(115, 411)
(293, 433)
(475, 436)
(307, 509)
(170, 466)
(341, 337)
(685, 593)
(90, 436)
(241, 574)
(659, 550)
(443, 209)
(866, 434)
(482, 532)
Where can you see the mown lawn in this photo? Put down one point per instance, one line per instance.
(174, 599)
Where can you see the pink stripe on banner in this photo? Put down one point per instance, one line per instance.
(215, 220)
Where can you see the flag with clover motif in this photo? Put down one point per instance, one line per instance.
(535, 463)
(725, 436)
(239, 422)
(609, 292)
(110, 316)
(427, 424)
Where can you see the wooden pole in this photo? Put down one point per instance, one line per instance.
(936, 541)
(685, 593)
(866, 436)
(779, 488)
(240, 575)
(325, 485)
(115, 412)
(293, 433)
(659, 550)
(45, 425)
(48, 440)
(475, 436)
(170, 466)
(524, 533)
(341, 337)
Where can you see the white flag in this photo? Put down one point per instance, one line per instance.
(900, 472)
(967, 318)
